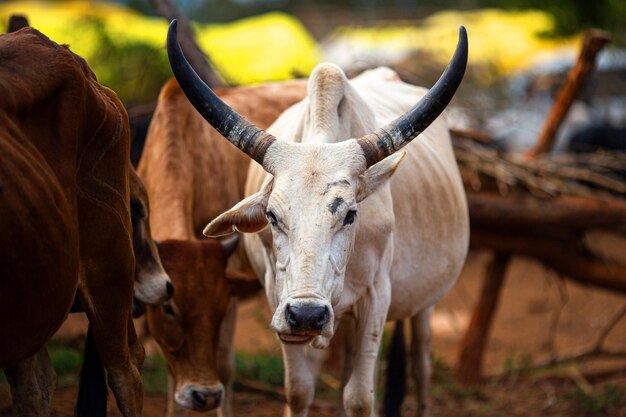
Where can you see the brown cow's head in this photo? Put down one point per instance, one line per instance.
(187, 327)
(152, 284)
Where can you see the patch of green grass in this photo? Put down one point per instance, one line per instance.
(444, 385)
(513, 364)
(262, 367)
(605, 401)
(66, 360)
(154, 375)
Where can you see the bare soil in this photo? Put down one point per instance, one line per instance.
(525, 332)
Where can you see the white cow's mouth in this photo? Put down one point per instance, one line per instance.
(294, 338)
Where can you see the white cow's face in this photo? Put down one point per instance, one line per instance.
(311, 208)
(312, 216)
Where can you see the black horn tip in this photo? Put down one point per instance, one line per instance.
(462, 47)
(463, 37)
(172, 35)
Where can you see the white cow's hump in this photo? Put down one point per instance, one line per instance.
(359, 106)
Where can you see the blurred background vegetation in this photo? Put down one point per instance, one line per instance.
(253, 41)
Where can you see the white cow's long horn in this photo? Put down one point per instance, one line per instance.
(388, 139)
(234, 127)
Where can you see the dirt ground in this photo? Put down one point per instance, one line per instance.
(524, 332)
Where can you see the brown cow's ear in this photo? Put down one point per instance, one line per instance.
(242, 285)
(378, 174)
(248, 216)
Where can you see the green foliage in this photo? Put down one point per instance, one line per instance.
(503, 42)
(605, 401)
(126, 50)
(572, 16)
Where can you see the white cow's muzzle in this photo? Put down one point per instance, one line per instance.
(299, 320)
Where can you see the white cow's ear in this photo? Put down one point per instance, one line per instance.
(378, 174)
(248, 216)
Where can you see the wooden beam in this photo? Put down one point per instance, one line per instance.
(593, 43)
(476, 135)
(566, 257)
(571, 213)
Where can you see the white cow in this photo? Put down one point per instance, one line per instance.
(344, 239)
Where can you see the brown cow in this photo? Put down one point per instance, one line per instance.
(197, 267)
(191, 178)
(71, 226)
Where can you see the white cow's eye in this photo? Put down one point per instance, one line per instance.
(271, 217)
(350, 216)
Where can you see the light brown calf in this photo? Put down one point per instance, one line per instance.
(191, 177)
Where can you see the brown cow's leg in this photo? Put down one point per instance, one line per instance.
(137, 351)
(421, 365)
(106, 283)
(32, 383)
(110, 319)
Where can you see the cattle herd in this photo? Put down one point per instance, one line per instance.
(337, 223)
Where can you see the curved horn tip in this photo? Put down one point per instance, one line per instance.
(172, 30)
(462, 34)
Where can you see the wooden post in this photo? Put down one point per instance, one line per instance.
(200, 62)
(17, 22)
(472, 349)
(593, 42)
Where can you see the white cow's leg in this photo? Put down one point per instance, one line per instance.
(32, 383)
(347, 333)
(226, 359)
(420, 358)
(370, 314)
(299, 380)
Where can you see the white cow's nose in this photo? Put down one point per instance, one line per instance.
(306, 317)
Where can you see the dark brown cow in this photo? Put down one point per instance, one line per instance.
(38, 266)
(191, 177)
(71, 226)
